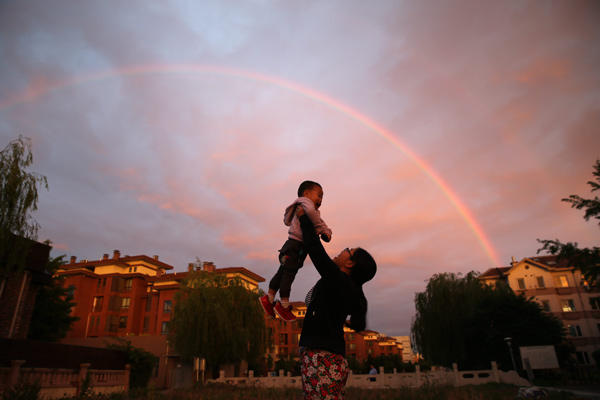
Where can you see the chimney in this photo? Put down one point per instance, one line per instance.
(513, 261)
(191, 267)
(155, 257)
(73, 259)
(105, 257)
(116, 255)
(208, 266)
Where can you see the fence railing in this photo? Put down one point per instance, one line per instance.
(435, 376)
(64, 382)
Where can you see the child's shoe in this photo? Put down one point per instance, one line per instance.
(267, 306)
(285, 313)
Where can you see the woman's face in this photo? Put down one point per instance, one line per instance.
(344, 259)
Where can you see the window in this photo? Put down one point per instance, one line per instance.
(125, 301)
(99, 283)
(149, 303)
(112, 323)
(97, 322)
(351, 336)
(164, 329)
(97, 306)
(575, 330)
(567, 305)
(583, 357)
(167, 306)
(540, 282)
(546, 305)
(595, 303)
(561, 281)
(521, 283)
(122, 322)
(146, 324)
(369, 351)
(283, 338)
(128, 283)
(351, 346)
(71, 291)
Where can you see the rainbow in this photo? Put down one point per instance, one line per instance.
(40, 88)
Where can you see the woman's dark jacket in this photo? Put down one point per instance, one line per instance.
(335, 296)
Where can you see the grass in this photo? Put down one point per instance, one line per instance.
(225, 392)
(491, 391)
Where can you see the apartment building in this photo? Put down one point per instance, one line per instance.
(360, 345)
(132, 297)
(561, 291)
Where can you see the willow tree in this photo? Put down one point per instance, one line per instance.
(441, 312)
(217, 318)
(464, 321)
(18, 199)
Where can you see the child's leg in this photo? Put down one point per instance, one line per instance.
(272, 293)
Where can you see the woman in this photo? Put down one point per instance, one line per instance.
(337, 294)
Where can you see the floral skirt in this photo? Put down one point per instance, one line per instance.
(324, 374)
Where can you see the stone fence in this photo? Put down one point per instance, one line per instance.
(394, 380)
(55, 382)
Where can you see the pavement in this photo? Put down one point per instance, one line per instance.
(591, 392)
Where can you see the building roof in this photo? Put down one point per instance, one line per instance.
(547, 262)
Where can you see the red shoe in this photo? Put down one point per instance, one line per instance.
(285, 313)
(267, 306)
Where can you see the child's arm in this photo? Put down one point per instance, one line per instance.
(315, 217)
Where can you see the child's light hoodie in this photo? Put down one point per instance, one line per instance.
(291, 219)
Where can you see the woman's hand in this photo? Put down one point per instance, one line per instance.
(299, 211)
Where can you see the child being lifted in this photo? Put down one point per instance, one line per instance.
(293, 254)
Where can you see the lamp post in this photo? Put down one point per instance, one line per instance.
(508, 341)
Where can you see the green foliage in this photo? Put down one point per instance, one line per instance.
(217, 318)
(18, 199)
(464, 321)
(587, 260)
(142, 362)
(86, 388)
(23, 391)
(51, 318)
(288, 364)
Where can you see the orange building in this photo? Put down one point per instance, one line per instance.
(132, 297)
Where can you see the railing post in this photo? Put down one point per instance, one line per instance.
(495, 372)
(418, 374)
(456, 378)
(83, 369)
(127, 375)
(15, 366)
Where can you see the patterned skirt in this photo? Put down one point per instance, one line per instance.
(324, 374)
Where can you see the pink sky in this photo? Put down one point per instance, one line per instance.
(444, 133)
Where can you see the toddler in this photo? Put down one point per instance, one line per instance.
(293, 254)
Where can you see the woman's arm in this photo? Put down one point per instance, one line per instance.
(324, 265)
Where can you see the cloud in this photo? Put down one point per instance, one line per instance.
(167, 129)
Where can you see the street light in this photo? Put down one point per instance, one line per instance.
(508, 341)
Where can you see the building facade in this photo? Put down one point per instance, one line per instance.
(561, 291)
(132, 297)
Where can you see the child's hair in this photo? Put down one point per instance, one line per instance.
(306, 185)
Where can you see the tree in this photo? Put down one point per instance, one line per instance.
(51, 318)
(587, 260)
(18, 199)
(142, 362)
(217, 318)
(462, 320)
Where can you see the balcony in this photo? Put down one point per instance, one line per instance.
(572, 315)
